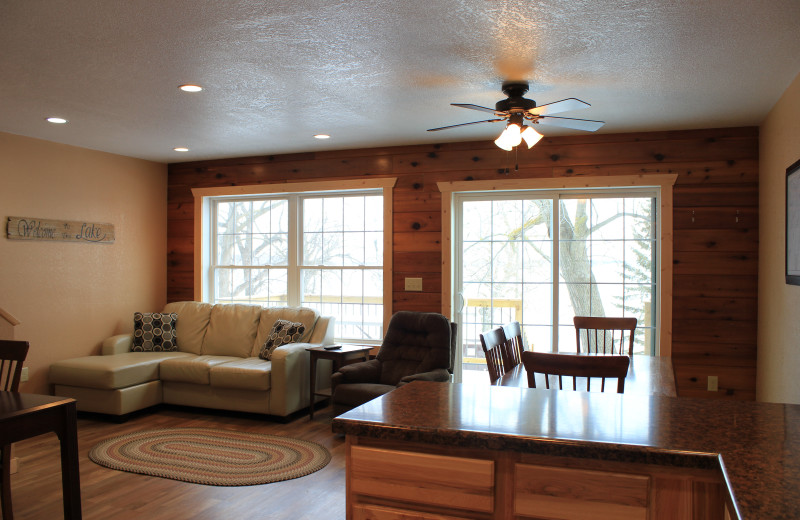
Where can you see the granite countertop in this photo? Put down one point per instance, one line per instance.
(755, 445)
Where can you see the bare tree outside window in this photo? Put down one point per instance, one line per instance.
(252, 247)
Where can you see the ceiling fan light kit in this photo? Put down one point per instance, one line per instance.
(509, 138)
(516, 109)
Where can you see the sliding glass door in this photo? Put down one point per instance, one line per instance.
(542, 257)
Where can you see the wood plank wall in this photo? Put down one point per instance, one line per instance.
(715, 223)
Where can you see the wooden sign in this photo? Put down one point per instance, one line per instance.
(24, 228)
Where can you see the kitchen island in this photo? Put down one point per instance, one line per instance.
(449, 451)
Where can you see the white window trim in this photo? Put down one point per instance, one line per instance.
(203, 224)
(664, 182)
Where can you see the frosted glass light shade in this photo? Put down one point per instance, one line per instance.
(531, 136)
(510, 137)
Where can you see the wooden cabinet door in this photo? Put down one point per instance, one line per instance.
(422, 478)
(373, 512)
(568, 493)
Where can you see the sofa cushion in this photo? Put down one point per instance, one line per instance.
(248, 374)
(195, 369)
(111, 372)
(306, 316)
(154, 332)
(191, 325)
(283, 332)
(231, 330)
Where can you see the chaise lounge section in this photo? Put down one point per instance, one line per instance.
(216, 364)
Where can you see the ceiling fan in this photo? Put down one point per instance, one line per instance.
(516, 109)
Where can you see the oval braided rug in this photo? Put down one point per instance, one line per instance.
(211, 456)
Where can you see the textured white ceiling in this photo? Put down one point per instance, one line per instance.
(377, 72)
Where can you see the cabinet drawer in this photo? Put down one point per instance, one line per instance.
(565, 493)
(422, 478)
(371, 512)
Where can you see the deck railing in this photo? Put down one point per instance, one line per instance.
(480, 315)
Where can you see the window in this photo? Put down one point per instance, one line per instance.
(603, 247)
(342, 262)
(251, 257)
(608, 261)
(318, 249)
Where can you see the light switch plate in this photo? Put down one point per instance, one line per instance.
(413, 284)
(24, 375)
(713, 383)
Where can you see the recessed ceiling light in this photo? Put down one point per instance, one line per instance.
(191, 88)
(322, 136)
(57, 120)
(181, 149)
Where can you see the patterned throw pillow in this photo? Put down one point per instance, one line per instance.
(283, 332)
(154, 332)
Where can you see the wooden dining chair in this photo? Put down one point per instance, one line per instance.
(601, 335)
(493, 343)
(12, 356)
(512, 354)
(575, 366)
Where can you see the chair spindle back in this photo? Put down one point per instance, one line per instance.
(601, 335)
(493, 343)
(514, 346)
(12, 356)
(575, 366)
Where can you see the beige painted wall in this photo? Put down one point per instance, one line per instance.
(778, 376)
(68, 297)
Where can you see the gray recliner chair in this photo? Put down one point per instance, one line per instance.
(418, 346)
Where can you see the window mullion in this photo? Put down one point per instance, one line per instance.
(554, 223)
(211, 280)
(655, 274)
(295, 258)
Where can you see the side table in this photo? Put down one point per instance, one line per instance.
(339, 356)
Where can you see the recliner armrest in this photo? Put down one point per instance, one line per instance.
(363, 372)
(439, 374)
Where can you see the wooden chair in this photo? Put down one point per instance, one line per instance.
(604, 335)
(12, 355)
(512, 354)
(575, 366)
(493, 343)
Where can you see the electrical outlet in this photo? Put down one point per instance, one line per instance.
(24, 375)
(413, 284)
(713, 383)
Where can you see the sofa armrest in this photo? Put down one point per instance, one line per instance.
(439, 374)
(289, 387)
(117, 344)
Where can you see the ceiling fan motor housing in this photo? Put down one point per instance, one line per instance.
(515, 102)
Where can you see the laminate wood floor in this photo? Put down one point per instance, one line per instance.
(109, 494)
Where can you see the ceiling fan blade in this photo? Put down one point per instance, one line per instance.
(568, 122)
(559, 106)
(464, 124)
(474, 107)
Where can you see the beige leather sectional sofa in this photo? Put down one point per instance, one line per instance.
(216, 365)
